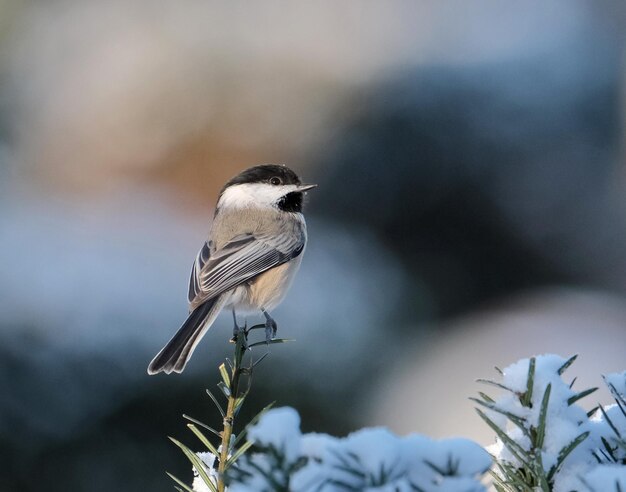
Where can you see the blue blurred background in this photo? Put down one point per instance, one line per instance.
(471, 211)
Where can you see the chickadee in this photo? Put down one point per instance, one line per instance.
(253, 252)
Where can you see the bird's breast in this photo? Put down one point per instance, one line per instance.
(267, 289)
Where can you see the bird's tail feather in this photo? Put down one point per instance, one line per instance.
(174, 356)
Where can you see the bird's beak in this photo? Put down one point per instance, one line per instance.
(306, 187)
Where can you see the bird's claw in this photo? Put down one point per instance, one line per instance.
(240, 331)
(270, 330)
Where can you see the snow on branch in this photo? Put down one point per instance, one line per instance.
(544, 442)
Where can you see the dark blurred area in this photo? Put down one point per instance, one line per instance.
(470, 212)
(480, 190)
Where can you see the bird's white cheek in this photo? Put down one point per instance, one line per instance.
(245, 195)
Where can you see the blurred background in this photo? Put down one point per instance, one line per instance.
(471, 211)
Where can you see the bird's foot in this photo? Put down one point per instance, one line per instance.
(270, 329)
(240, 331)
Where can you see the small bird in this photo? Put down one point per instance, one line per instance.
(253, 251)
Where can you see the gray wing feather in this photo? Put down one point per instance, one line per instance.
(241, 259)
(201, 259)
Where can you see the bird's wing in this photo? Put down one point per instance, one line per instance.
(241, 259)
(201, 259)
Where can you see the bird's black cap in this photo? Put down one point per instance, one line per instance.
(264, 174)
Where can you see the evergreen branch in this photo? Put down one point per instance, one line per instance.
(527, 398)
(566, 365)
(185, 488)
(516, 450)
(543, 413)
(203, 439)
(573, 399)
(197, 422)
(565, 452)
(231, 382)
(197, 463)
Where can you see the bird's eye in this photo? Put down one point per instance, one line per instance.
(276, 181)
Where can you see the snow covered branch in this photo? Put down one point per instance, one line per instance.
(545, 442)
